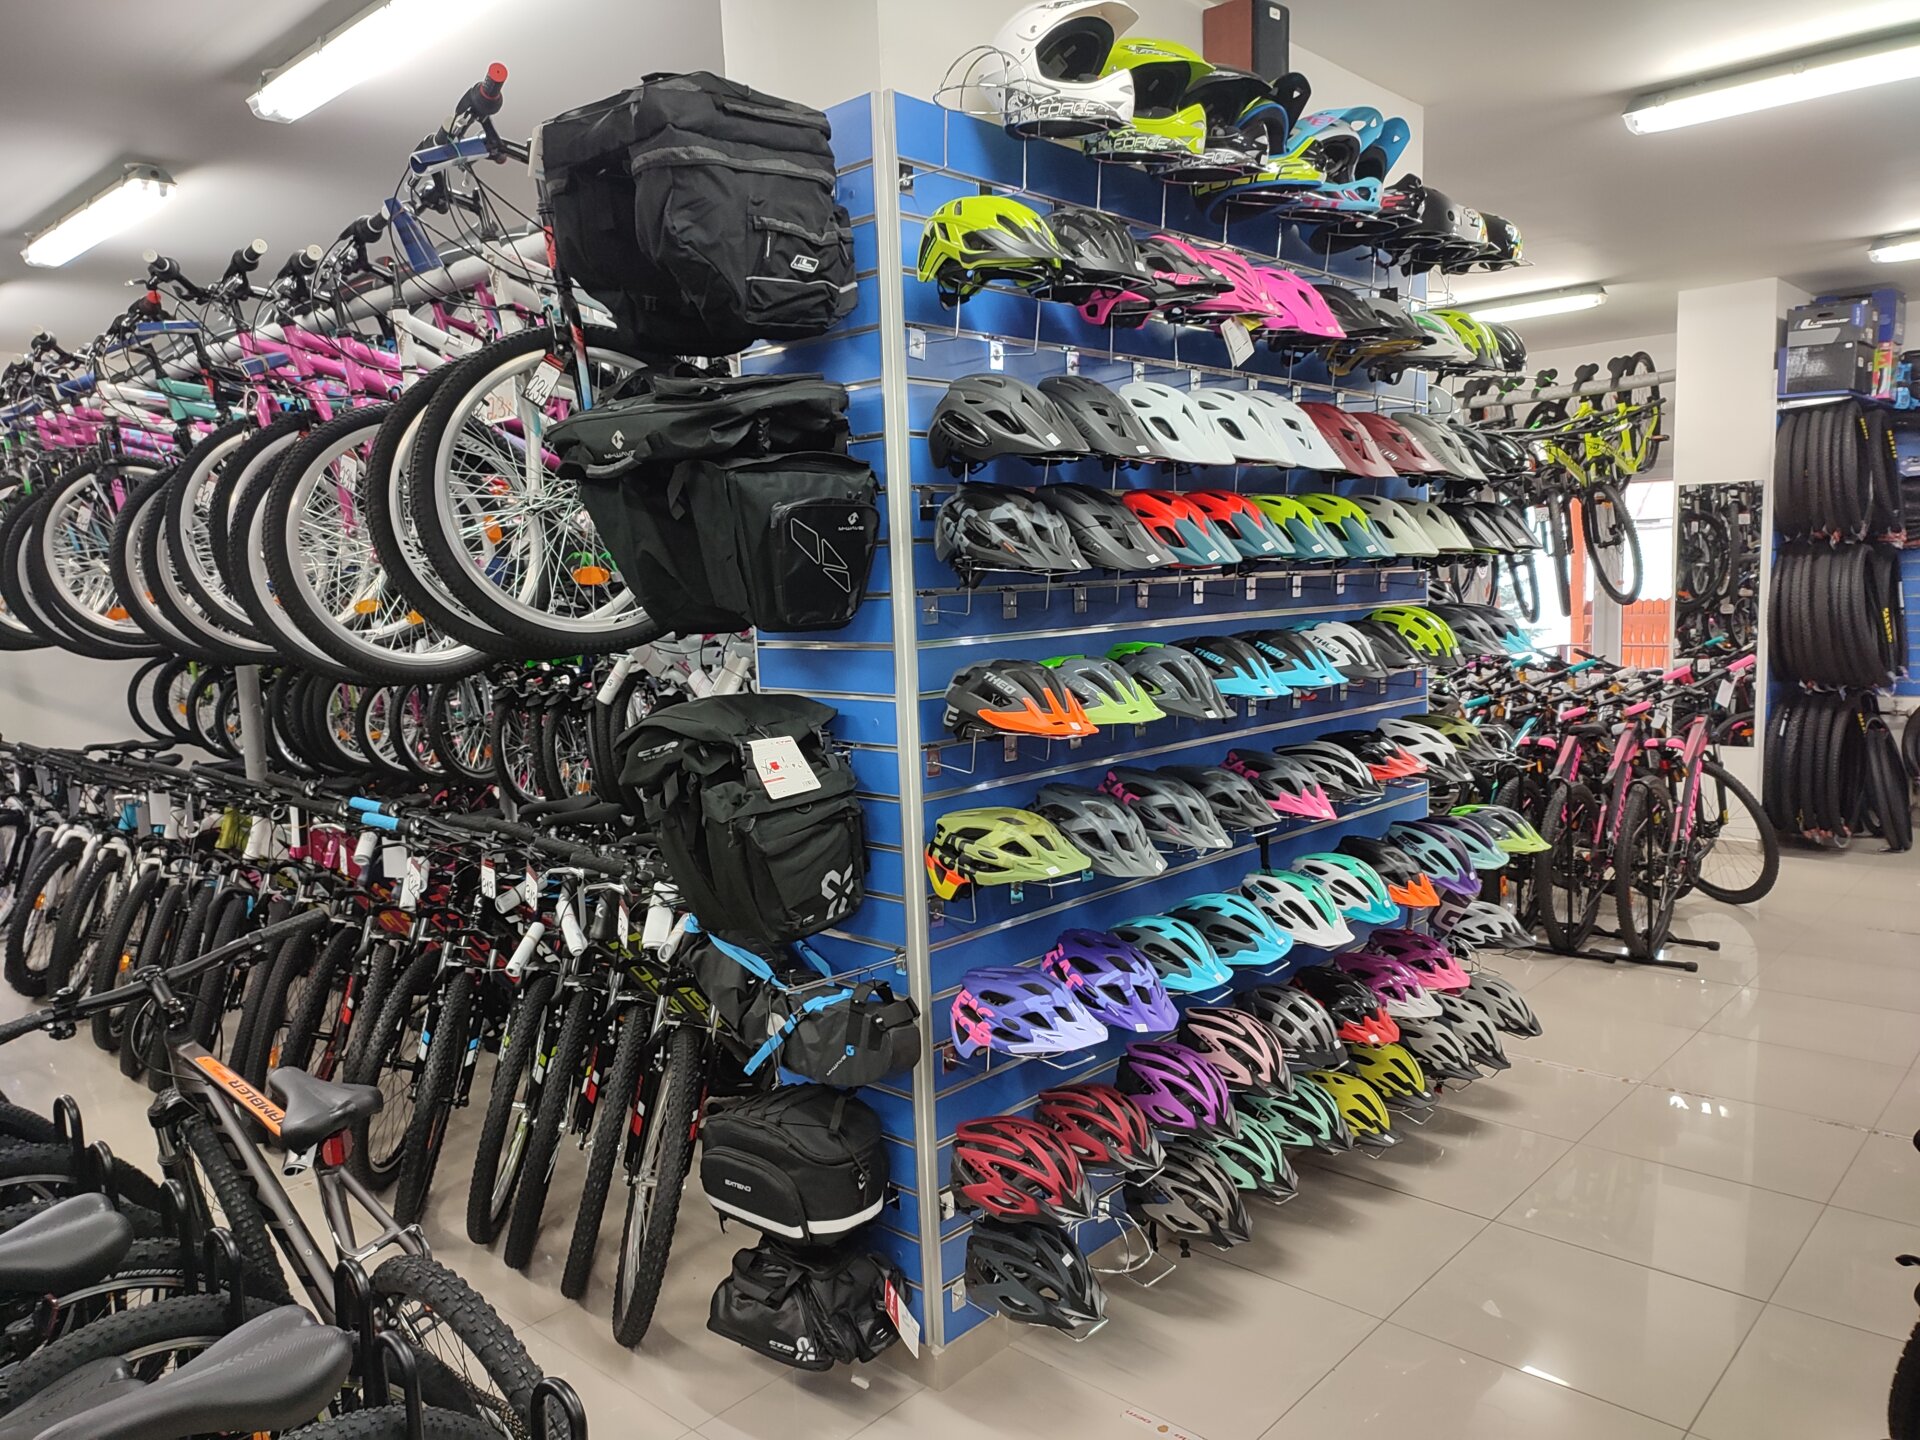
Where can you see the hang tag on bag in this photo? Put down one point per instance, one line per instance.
(782, 769)
(901, 1318)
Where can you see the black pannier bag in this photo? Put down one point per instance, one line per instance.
(701, 213)
(804, 1162)
(810, 1309)
(703, 417)
(757, 866)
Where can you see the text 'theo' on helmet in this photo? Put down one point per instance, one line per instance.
(1104, 1128)
(1117, 984)
(1310, 447)
(1300, 664)
(1033, 1274)
(1020, 1011)
(1356, 886)
(1236, 667)
(1299, 905)
(1105, 691)
(1105, 532)
(977, 238)
(1192, 1197)
(1284, 786)
(1305, 1027)
(1013, 697)
(1172, 810)
(1177, 427)
(1236, 804)
(1106, 424)
(1254, 430)
(1104, 830)
(986, 417)
(1177, 681)
(1018, 1169)
(994, 527)
(1236, 929)
(1350, 651)
(1179, 953)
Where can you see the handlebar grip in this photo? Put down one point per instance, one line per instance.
(247, 258)
(364, 803)
(25, 1025)
(489, 86)
(381, 822)
(1744, 663)
(587, 859)
(366, 230)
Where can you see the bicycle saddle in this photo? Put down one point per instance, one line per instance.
(75, 1242)
(94, 1383)
(317, 1108)
(276, 1371)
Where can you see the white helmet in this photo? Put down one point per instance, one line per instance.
(1442, 529)
(1399, 531)
(1310, 448)
(1175, 425)
(1444, 446)
(1441, 347)
(1253, 432)
(1046, 63)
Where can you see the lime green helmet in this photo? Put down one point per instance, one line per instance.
(1473, 334)
(1348, 523)
(997, 845)
(1361, 1106)
(1391, 1070)
(1254, 1161)
(1427, 634)
(977, 238)
(1457, 728)
(1107, 693)
(1164, 127)
(1310, 538)
(1510, 830)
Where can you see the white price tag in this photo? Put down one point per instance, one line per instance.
(489, 879)
(996, 354)
(783, 770)
(1193, 379)
(1663, 715)
(904, 1325)
(545, 377)
(1723, 697)
(1139, 370)
(160, 810)
(1239, 343)
(1073, 362)
(393, 861)
(414, 884)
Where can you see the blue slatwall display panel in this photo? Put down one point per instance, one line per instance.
(944, 156)
(1909, 684)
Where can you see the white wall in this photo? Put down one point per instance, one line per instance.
(48, 697)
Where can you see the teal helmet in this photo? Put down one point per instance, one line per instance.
(1254, 1161)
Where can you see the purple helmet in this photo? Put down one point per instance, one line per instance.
(1395, 984)
(1018, 1010)
(1117, 984)
(1178, 1087)
(1424, 955)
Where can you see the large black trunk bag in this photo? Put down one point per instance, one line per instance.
(803, 1162)
(701, 213)
(807, 1308)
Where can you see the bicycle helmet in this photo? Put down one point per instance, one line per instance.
(1102, 1127)
(1310, 447)
(1406, 882)
(1019, 1011)
(977, 238)
(1299, 905)
(1254, 536)
(1300, 319)
(1235, 929)
(1356, 318)
(1033, 1274)
(1117, 984)
(1393, 1071)
(1467, 839)
(1227, 97)
(1235, 802)
(1487, 926)
(1054, 83)
(1178, 953)
(1307, 538)
(1440, 755)
(1177, 681)
(1013, 697)
(1396, 528)
(1350, 441)
(1509, 829)
(1440, 348)
(987, 417)
(1438, 1049)
(1192, 1197)
(1361, 1106)
(1425, 631)
(1251, 431)
(1300, 664)
(1347, 523)
(1356, 887)
(1441, 528)
(1350, 651)
(1450, 872)
(1104, 422)
(1398, 444)
(1304, 1026)
(1102, 829)
(1169, 808)
(1018, 1169)
(1180, 527)
(1424, 955)
(1237, 669)
(1506, 1005)
(1241, 1046)
(1449, 450)
(1107, 694)
(1357, 1014)
(1100, 256)
(1393, 653)
(1104, 531)
(1393, 983)
(1473, 1027)
(1305, 1120)
(1255, 1161)
(1176, 1086)
(1176, 427)
(996, 845)
(991, 527)
(1166, 126)
(1384, 760)
(1505, 249)
(1341, 773)
(1284, 785)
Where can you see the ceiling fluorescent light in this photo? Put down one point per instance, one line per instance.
(1540, 302)
(1787, 82)
(372, 42)
(128, 201)
(1892, 249)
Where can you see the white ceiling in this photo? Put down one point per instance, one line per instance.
(1523, 106)
(86, 85)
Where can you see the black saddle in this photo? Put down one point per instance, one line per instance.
(94, 1383)
(75, 1242)
(273, 1373)
(317, 1108)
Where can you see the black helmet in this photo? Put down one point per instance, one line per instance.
(1390, 647)
(1032, 1273)
(1105, 422)
(1476, 523)
(1347, 997)
(1013, 697)
(1106, 532)
(1513, 350)
(1100, 252)
(1192, 1196)
(982, 417)
(1503, 240)
(1356, 316)
(1179, 279)
(1394, 865)
(995, 527)
(1233, 797)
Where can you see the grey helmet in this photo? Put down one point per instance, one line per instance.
(1103, 828)
(1177, 680)
(1169, 808)
(1106, 532)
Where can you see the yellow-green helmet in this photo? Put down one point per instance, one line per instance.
(1360, 1106)
(1425, 633)
(978, 238)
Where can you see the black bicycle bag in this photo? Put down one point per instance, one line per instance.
(809, 1309)
(803, 1162)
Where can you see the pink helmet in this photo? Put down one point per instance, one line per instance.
(1425, 956)
(1395, 984)
(1246, 294)
(1303, 312)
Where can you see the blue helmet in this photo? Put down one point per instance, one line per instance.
(1236, 929)
(1237, 667)
(1180, 953)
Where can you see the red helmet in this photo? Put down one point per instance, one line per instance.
(1350, 440)
(1019, 1169)
(1101, 1127)
(1241, 521)
(1400, 446)
(1183, 527)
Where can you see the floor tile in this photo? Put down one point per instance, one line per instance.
(1667, 996)
(1647, 1341)
(1837, 968)
(1213, 1320)
(1883, 1180)
(1714, 1231)
(606, 1399)
(1456, 1160)
(1806, 1022)
(1846, 1273)
(1361, 1245)
(1524, 969)
(831, 1405)
(1902, 1115)
(1012, 1396)
(1897, 912)
(1399, 1383)
(1733, 1139)
(1542, 1095)
(1606, 1041)
(1797, 1377)
(1833, 1087)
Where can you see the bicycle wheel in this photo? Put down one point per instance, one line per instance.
(1566, 890)
(1613, 542)
(1736, 852)
(390, 1060)
(318, 1028)
(433, 1105)
(564, 1067)
(115, 952)
(152, 1339)
(1646, 872)
(389, 1422)
(269, 1003)
(1560, 549)
(231, 1188)
(68, 561)
(654, 1184)
(1903, 1401)
(511, 1105)
(35, 918)
(612, 1124)
(446, 1318)
(84, 914)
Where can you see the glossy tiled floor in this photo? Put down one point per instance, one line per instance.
(1676, 1215)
